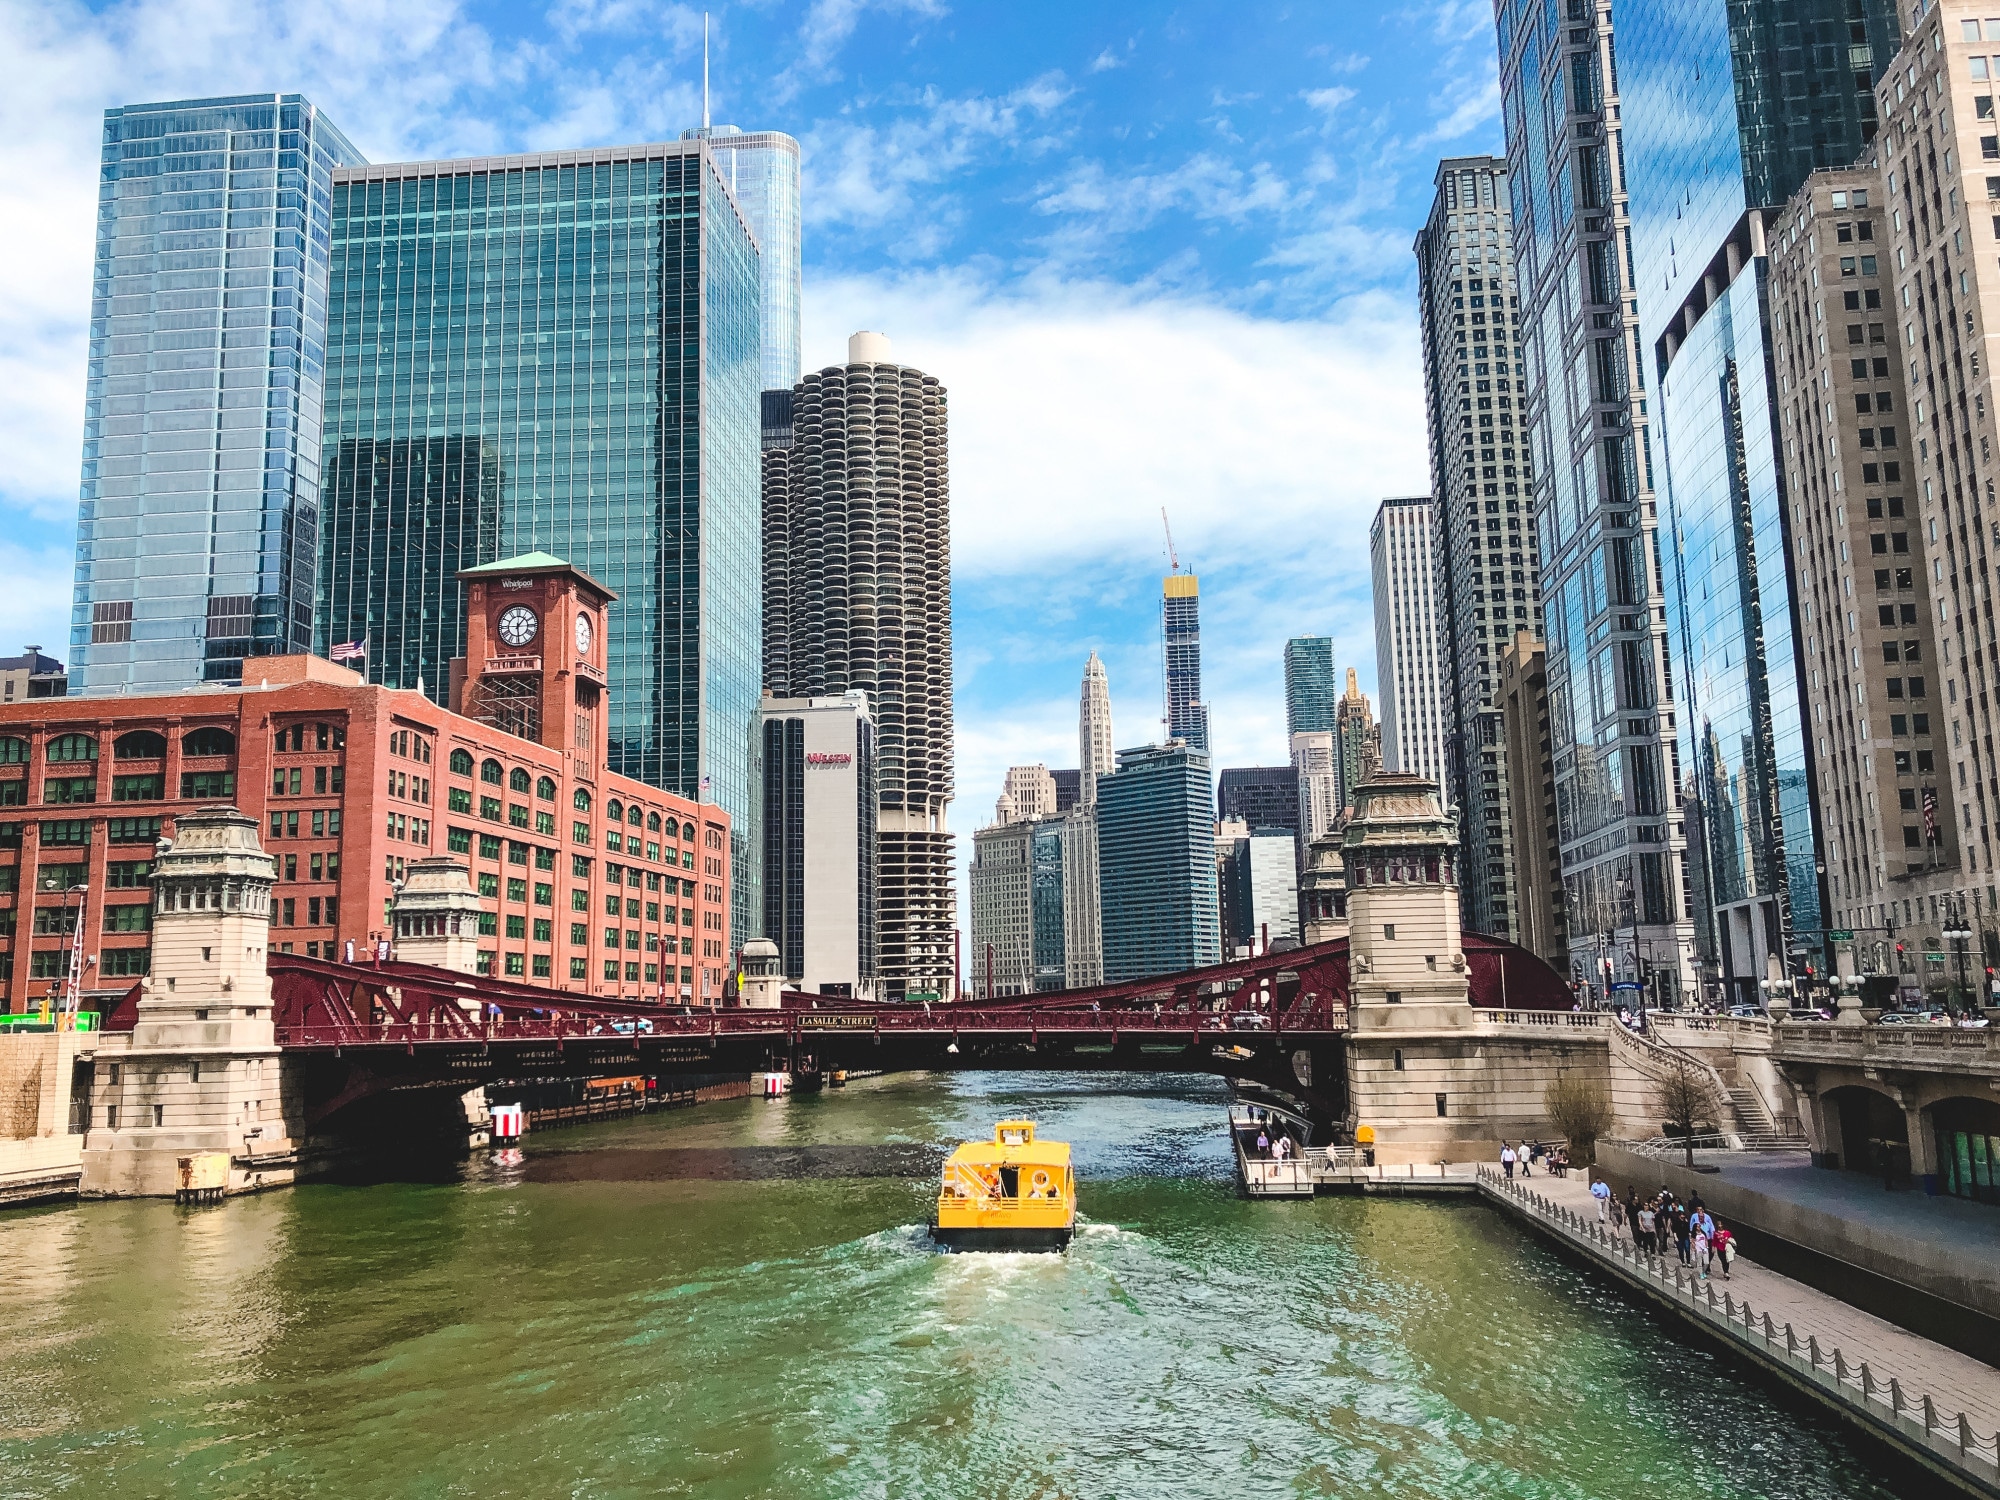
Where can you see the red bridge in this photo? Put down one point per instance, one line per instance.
(354, 1032)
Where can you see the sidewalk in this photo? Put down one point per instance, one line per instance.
(1955, 1382)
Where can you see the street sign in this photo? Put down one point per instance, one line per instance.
(1936, 958)
(1627, 984)
(1841, 935)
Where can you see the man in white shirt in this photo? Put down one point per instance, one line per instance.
(1507, 1160)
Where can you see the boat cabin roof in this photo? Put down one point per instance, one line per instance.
(1014, 1141)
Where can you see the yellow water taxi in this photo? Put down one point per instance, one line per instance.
(1010, 1193)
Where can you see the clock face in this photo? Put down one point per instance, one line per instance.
(583, 634)
(518, 625)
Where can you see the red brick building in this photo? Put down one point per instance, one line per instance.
(590, 881)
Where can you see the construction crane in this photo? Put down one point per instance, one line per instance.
(1172, 556)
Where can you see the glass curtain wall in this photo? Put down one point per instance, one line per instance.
(587, 324)
(200, 497)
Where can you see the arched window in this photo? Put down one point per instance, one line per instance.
(461, 762)
(13, 752)
(652, 822)
(581, 800)
(635, 815)
(673, 828)
(210, 741)
(140, 744)
(73, 747)
(614, 809)
(546, 789)
(492, 772)
(518, 781)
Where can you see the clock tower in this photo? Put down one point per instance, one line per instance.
(535, 656)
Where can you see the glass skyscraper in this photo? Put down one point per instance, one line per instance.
(1727, 107)
(201, 460)
(1610, 685)
(762, 170)
(1156, 863)
(1310, 692)
(1180, 617)
(558, 352)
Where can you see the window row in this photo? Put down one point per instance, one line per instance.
(140, 744)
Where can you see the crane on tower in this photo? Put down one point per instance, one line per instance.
(1173, 557)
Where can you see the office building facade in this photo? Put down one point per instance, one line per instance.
(1769, 101)
(762, 170)
(1260, 902)
(1357, 740)
(200, 496)
(1180, 619)
(1611, 690)
(1093, 729)
(1937, 151)
(1868, 624)
(494, 370)
(865, 511)
(1488, 572)
(1311, 690)
(1522, 701)
(1316, 768)
(1262, 796)
(1406, 637)
(587, 881)
(819, 841)
(1156, 863)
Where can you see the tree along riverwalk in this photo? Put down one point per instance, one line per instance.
(1934, 1405)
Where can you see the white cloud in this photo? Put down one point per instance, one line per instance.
(1327, 100)
(825, 31)
(871, 177)
(1105, 61)
(1079, 409)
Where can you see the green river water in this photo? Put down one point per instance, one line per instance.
(675, 1306)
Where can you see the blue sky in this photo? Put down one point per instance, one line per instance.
(1160, 257)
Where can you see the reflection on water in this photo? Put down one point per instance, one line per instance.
(734, 1301)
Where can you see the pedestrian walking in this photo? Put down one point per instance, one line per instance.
(1725, 1249)
(1263, 1143)
(1617, 1217)
(1645, 1233)
(1507, 1160)
(1683, 1238)
(1527, 1155)
(1701, 1254)
(1601, 1191)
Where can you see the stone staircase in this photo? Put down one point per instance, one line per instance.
(1755, 1125)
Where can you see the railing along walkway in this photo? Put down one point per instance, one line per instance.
(1935, 1401)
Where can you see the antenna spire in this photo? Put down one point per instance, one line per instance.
(704, 72)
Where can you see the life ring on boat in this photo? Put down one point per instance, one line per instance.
(1038, 1186)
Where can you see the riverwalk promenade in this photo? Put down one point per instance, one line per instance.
(1934, 1404)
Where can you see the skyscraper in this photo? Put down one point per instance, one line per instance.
(1611, 692)
(478, 385)
(1316, 768)
(762, 170)
(865, 510)
(1310, 692)
(1357, 740)
(1180, 615)
(1879, 714)
(819, 841)
(201, 456)
(1406, 637)
(1765, 109)
(1262, 796)
(1485, 556)
(1093, 734)
(1156, 863)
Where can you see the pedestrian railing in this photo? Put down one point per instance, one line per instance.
(1919, 1418)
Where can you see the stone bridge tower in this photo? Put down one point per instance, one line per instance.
(437, 915)
(1407, 965)
(199, 1073)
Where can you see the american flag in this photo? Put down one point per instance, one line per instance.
(1930, 815)
(350, 650)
